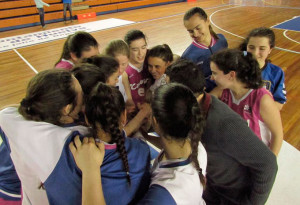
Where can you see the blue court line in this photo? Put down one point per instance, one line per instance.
(291, 24)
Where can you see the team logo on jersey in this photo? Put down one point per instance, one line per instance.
(135, 86)
(200, 62)
(267, 84)
(141, 92)
(247, 109)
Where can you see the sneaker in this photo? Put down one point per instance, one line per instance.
(44, 26)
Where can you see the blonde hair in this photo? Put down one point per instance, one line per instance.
(117, 47)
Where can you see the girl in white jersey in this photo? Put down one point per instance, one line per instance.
(238, 77)
(178, 172)
(36, 132)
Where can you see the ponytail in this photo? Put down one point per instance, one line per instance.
(243, 63)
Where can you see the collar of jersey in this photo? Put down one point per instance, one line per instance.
(67, 61)
(135, 68)
(200, 45)
(109, 146)
(174, 163)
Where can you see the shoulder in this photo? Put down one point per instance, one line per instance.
(260, 92)
(189, 51)
(274, 70)
(158, 195)
(221, 38)
(136, 146)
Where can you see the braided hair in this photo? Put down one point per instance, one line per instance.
(103, 108)
(179, 116)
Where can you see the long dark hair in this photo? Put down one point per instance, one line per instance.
(104, 107)
(107, 64)
(163, 52)
(77, 43)
(243, 63)
(179, 116)
(259, 32)
(88, 76)
(47, 94)
(133, 35)
(187, 73)
(202, 14)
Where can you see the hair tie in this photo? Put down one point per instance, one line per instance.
(245, 53)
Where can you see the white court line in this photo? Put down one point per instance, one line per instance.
(32, 68)
(284, 33)
(211, 21)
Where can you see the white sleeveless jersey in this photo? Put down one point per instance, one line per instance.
(35, 150)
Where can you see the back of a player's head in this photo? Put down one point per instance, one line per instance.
(242, 63)
(103, 109)
(107, 64)
(81, 41)
(187, 73)
(117, 47)
(179, 117)
(172, 108)
(163, 52)
(47, 94)
(88, 76)
(133, 35)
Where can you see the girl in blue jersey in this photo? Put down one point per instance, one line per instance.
(159, 58)
(125, 168)
(205, 42)
(177, 173)
(33, 134)
(90, 75)
(260, 42)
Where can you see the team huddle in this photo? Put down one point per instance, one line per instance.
(87, 131)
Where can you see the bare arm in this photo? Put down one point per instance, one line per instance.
(130, 106)
(278, 105)
(126, 84)
(89, 157)
(138, 120)
(271, 117)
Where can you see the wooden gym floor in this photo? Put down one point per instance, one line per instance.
(164, 24)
